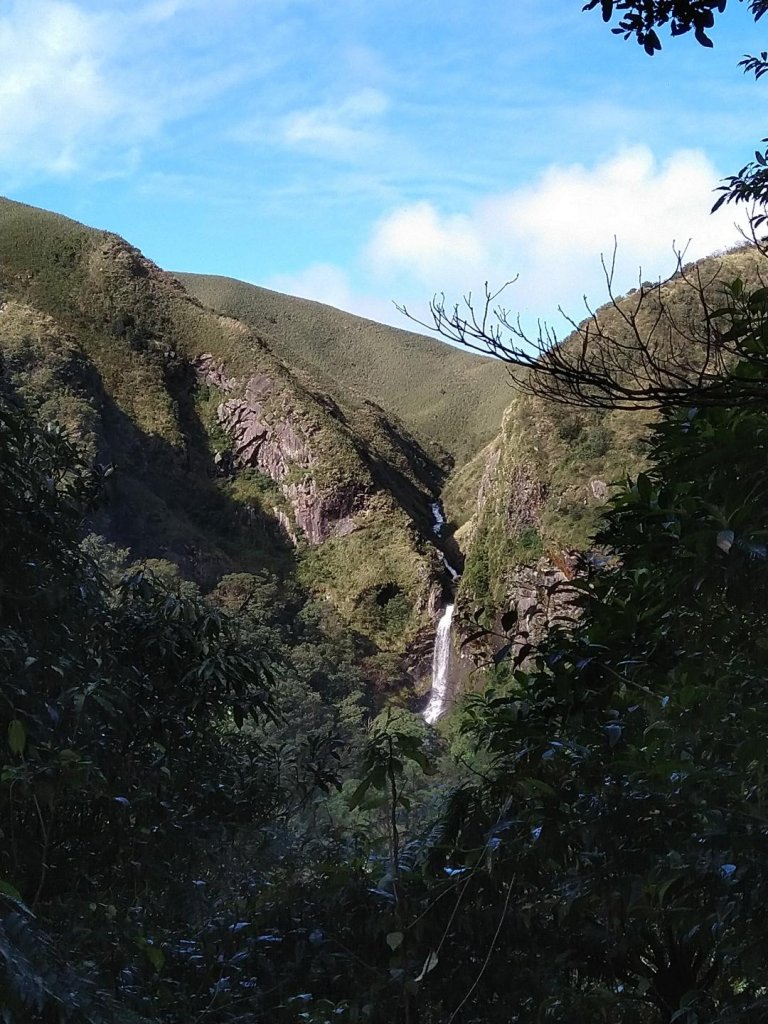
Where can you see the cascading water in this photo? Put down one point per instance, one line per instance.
(437, 529)
(441, 658)
(439, 518)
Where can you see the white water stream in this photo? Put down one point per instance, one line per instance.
(441, 658)
(437, 529)
(437, 515)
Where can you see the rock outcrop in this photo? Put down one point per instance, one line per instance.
(541, 596)
(269, 433)
(526, 497)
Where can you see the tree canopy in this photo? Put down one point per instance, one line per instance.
(641, 18)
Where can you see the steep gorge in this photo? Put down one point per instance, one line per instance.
(258, 446)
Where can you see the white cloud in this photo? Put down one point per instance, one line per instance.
(348, 129)
(553, 232)
(328, 283)
(424, 242)
(81, 89)
(52, 83)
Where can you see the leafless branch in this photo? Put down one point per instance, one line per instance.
(681, 341)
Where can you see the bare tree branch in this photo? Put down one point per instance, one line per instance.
(680, 341)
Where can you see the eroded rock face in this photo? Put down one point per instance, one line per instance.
(599, 489)
(211, 372)
(270, 443)
(526, 498)
(325, 514)
(268, 435)
(541, 596)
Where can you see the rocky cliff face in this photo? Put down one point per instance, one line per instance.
(270, 435)
(539, 500)
(541, 596)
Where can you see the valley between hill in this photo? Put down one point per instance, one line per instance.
(224, 563)
(451, 400)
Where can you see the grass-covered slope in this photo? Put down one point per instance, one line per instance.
(225, 458)
(545, 481)
(539, 487)
(449, 398)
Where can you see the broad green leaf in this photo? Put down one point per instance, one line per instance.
(394, 940)
(154, 954)
(10, 890)
(17, 736)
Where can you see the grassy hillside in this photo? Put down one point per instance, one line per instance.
(447, 397)
(95, 336)
(539, 488)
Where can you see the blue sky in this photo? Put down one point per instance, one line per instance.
(364, 152)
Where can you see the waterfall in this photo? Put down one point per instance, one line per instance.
(437, 528)
(453, 573)
(441, 658)
(438, 517)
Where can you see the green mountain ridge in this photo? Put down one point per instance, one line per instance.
(226, 458)
(305, 442)
(538, 490)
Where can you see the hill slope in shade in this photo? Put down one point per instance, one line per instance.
(447, 397)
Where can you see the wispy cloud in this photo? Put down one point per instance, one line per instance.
(339, 129)
(553, 231)
(349, 129)
(81, 90)
(54, 91)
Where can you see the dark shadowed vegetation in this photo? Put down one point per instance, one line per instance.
(218, 801)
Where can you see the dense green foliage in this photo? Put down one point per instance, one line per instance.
(628, 771)
(585, 844)
(603, 858)
(146, 742)
(545, 479)
(119, 713)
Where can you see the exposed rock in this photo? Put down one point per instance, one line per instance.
(433, 601)
(599, 489)
(526, 498)
(344, 527)
(324, 514)
(268, 435)
(417, 663)
(115, 252)
(212, 372)
(269, 443)
(285, 524)
(541, 596)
